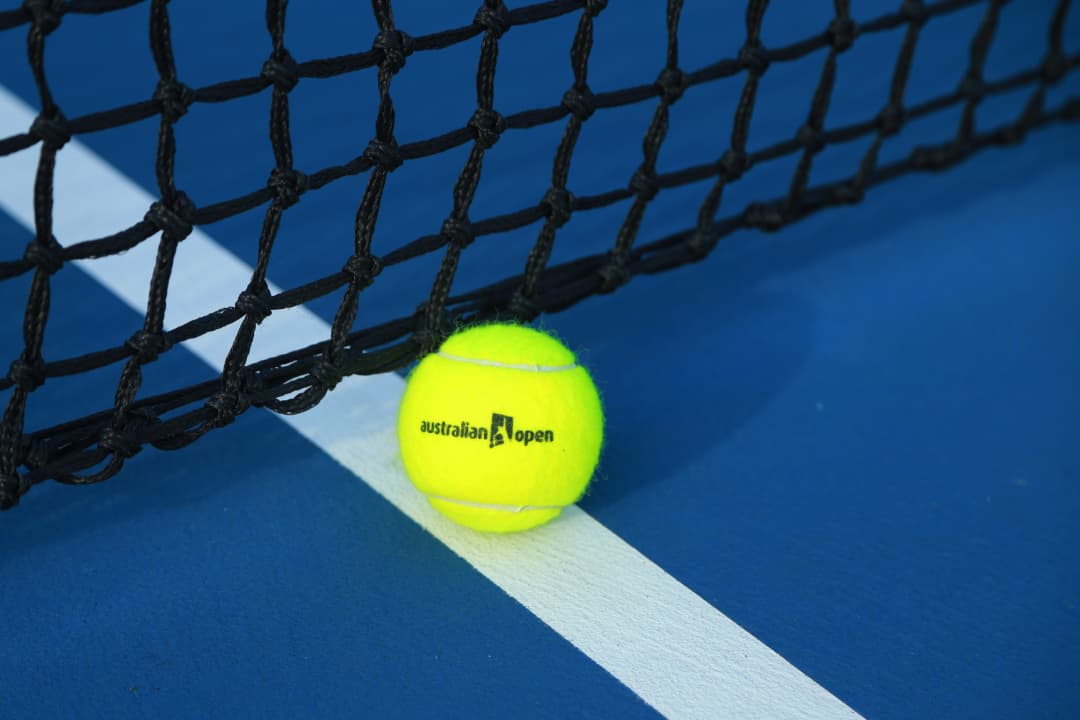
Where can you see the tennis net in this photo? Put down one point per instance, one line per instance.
(94, 447)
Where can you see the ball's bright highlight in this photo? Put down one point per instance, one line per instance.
(501, 428)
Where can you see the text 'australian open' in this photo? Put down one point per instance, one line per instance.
(499, 431)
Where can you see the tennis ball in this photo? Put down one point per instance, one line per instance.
(501, 428)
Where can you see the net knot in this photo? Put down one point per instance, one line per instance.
(173, 98)
(384, 154)
(395, 46)
(559, 205)
(1011, 134)
(12, 487)
(915, 12)
(254, 302)
(754, 58)
(487, 126)
(281, 71)
(458, 232)
(51, 129)
(327, 374)
(35, 453)
(174, 221)
(973, 88)
(701, 243)
(146, 345)
(252, 383)
(733, 164)
(936, 158)
(27, 375)
(45, 256)
(811, 138)
(615, 274)
(672, 83)
(227, 405)
(119, 443)
(580, 102)
(849, 193)
(522, 307)
(1054, 67)
(890, 120)
(764, 216)
(45, 14)
(842, 32)
(287, 185)
(645, 183)
(120, 439)
(362, 269)
(595, 7)
(494, 19)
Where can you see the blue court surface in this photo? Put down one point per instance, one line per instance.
(841, 475)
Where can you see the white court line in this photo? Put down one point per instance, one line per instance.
(678, 653)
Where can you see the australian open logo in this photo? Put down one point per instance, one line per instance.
(500, 431)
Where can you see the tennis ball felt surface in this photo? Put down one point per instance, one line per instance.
(501, 428)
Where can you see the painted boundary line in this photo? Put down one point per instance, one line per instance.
(678, 653)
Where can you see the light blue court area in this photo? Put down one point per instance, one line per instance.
(841, 475)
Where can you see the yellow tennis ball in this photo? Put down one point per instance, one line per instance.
(501, 428)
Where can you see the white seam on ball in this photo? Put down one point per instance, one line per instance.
(495, 506)
(529, 367)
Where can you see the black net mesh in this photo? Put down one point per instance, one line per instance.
(92, 448)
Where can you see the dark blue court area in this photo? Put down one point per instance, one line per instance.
(857, 438)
